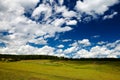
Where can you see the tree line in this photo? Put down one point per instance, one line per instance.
(8, 57)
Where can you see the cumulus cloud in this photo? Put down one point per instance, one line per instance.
(81, 43)
(58, 22)
(61, 2)
(84, 42)
(42, 9)
(70, 50)
(43, 22)
(101, 42)
(60, 46)
(26, 49)
(110, 16)
(94, 7)
(71, 22)
(41, 41)
(74, 47)
(108, 50)
(23, 29)
(69, 14)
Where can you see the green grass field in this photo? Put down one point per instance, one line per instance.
(60, 70)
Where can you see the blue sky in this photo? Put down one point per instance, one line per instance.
(69, 28)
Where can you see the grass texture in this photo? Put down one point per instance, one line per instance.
(60, 70)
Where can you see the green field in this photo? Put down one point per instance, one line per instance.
(60, 70)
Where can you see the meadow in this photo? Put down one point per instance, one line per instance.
(59, 70)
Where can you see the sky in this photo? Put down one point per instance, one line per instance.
(63, 28)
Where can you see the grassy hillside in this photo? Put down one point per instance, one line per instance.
(60, 70)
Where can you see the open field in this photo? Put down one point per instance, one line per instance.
(60, 70)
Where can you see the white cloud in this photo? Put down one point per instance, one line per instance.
(46, 50)
(66, 40)
(108, 50)
(98, 51)
(71, 22)
(60, 46)
(103, 51)
(58, 22)
(96, 36)
(22, 29)
(84, 42)
(38, 41)
(70, 50)
(26, 49)
(95, 6)
(69, 14)
(110, 16)
(60, 9)
(42, 9)
(113, 45)
(74, 47)
(81, 54)
(65, 12)
(61, 2)
(101, 42)
(59, 51)
(75, 44)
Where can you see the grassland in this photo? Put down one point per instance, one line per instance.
(60, 70)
